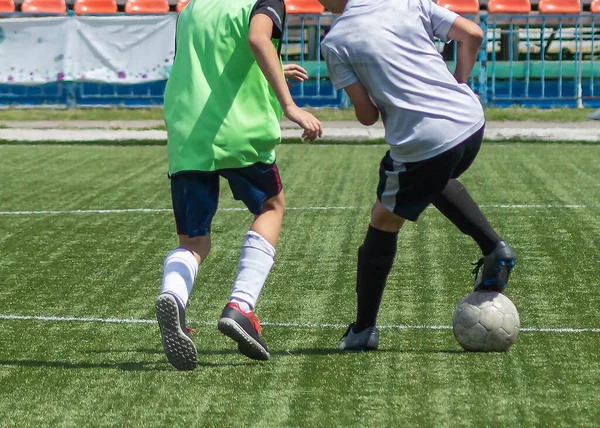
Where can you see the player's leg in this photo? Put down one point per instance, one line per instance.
(376, 255)
(375, 259)
(498, 258)
(259, 187)
(195, 199)
(404, 192)
(268, 223)
(456, 204)
(182, 264)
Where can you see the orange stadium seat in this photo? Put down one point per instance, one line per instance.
(509, 6)
(595, 6)
(559, 6)
(83, 7)
(7, 6)
(308, 7)
(44, 6)
(147, 7)
(466, 7)
(181, 4)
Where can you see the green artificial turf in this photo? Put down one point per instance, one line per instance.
(90, 355)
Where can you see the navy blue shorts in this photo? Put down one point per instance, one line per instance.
(407, 189)
(195, 194)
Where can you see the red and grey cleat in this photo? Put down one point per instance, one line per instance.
(244, 328)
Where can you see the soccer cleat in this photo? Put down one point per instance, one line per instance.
(595, 115)
(244, 328)
(365, 340)
(492, 271)
(176, 341)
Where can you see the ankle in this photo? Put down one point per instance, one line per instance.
(244, 306)
(358, 327)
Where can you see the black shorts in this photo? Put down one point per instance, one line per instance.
(407, 189)
(195, 195)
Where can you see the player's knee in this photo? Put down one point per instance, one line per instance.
(385, 220)
(276, 203)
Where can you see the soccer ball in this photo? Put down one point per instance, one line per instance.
(486, 321)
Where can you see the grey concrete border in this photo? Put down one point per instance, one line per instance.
(346, 130)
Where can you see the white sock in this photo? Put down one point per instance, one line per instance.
(255, 264)
(180, 270)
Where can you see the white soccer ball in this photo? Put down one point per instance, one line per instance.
(486, 321)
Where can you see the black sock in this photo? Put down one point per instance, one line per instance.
(458, 206)
(375, 259)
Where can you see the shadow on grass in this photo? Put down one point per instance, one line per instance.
(124, 366)
(335, 351)
(428, 351)
(218, 351)
(306, 351)
(122, 351)
(165, 366)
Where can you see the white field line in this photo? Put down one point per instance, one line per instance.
(40, 318)
(159, 210)
(535, 206)
(310, 208)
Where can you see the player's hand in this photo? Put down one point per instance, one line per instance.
(295, 72)
(311, 125)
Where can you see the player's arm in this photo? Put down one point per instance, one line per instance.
(259, 40)
(366, 112)
(468, 36)
(343, 77)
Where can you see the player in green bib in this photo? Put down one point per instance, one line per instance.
(224, 99)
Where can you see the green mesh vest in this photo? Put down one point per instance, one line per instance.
(219, 109)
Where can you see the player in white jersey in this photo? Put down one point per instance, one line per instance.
(383, 54)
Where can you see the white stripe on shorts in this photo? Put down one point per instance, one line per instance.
(392, 186)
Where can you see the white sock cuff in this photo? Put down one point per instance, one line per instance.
(255, 240)
(184, 256)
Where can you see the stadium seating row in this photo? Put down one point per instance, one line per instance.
(466, 7)
(519, 6)
(96, 7)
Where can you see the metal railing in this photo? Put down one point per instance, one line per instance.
(540, 60)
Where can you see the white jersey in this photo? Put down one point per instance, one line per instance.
(388, 45)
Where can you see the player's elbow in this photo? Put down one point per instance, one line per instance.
(466, 32)
(476, 36)
(365, 109)
(367, 118)
(257, 41)
(368, 121)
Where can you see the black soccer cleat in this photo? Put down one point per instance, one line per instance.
(244, 328)
(178, 346)
(364, 340)
(492, 271)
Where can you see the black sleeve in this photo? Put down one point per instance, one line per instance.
(275, 10)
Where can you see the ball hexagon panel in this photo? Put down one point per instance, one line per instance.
(491, 318)
(468, 315)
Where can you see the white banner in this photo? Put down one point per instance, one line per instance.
(33, 50)
(111, 49)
